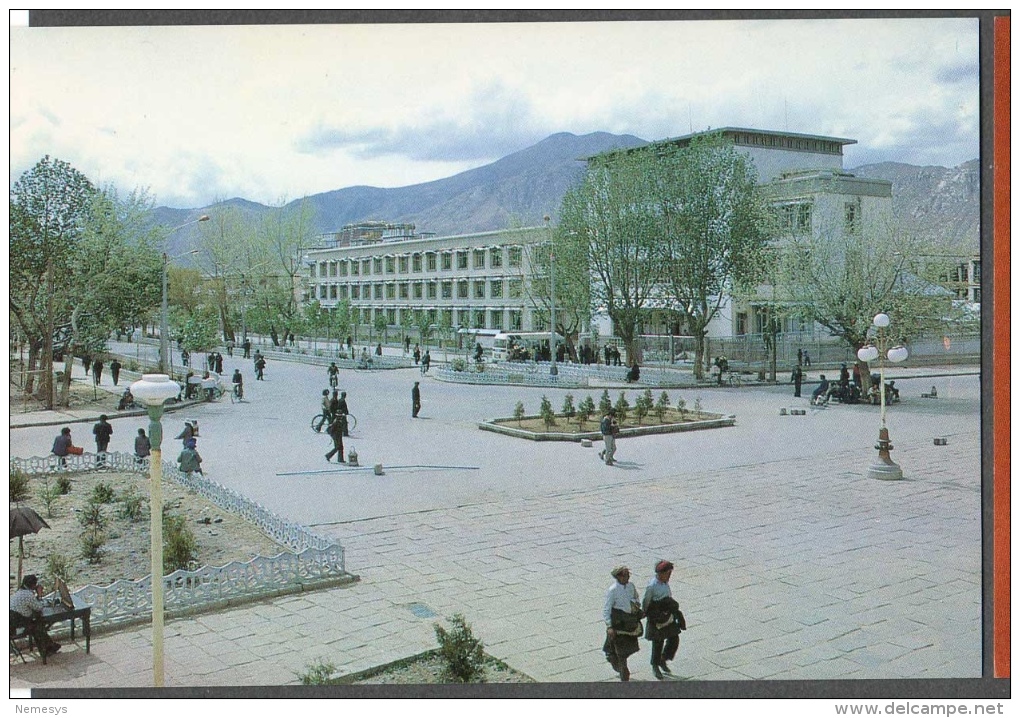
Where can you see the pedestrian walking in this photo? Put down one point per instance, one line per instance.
(664, 619)
(337, 429)
(230, 347)
(341, 408)
(189, 460)
(102, 431)
(327, 413)
(97, 371)
(260, 366)
(247, 348)
(378, 349)
(621, 613)
(142, 447)
(115, 371)
(415, 401)
(609, 428)
(407, 344)
(417, 354)
(218, 361)
(185, 357)
(425, 361)
(86, 362)
(189, 432)
(807, 359)
(800, 357)
(797, 376)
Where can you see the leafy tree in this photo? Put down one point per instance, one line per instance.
(606, 225)
(381, 325)
(463, 655)
(584, 411)
(841, 280)
(546, 412)
(714, 224)
(50, 206)
(662, 406)
(605, 403)
(622, 407)
(423, 322)
(644, 405)
(519, 412)
(568, 409)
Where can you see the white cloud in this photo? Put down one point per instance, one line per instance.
(204, 113)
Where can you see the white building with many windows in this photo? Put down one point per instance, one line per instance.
(470, 281)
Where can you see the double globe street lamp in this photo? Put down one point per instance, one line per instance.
(884, 468)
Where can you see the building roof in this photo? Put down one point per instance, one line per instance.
(730, 132)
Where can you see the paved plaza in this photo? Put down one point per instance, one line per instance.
(790, 562)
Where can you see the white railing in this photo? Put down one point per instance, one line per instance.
(568, 375)
(313, 558)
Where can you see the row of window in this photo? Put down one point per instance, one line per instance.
(462, 289)
(508, 320)
(491, 258)
(795, 217)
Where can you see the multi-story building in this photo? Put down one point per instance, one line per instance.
(471, 281)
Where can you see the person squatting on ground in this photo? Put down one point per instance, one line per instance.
(622, 615)
(27, 601)
(664, 620)
(337, 428)
(609, 428)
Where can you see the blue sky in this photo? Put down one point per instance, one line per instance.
(272, 113)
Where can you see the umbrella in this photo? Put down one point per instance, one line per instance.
(24, 521)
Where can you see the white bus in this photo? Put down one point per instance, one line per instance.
(520, 346)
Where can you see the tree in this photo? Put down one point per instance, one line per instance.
(568, 409)
(841, 280)
(662, 405)
(519, 412)
(545, 410)
(423, 322)
(605, 225)
(584, 411)
(622, 407)
(714, 224)
(644, 405)
(49, 207)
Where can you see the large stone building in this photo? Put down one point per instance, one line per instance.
(471, 281)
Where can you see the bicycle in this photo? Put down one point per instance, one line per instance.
(237, 394)
(334, 381)
(319, 421)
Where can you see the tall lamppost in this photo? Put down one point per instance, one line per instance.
(163, 321)
(153, 390)
(553, 371)
(884, 467)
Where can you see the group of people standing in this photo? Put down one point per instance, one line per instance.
(623, 612)
(96, 367)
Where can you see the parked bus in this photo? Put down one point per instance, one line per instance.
(520, 346)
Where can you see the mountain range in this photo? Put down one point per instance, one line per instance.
(526, 185)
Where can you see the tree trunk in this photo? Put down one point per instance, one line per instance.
(274, 336)
(699, 356)
(33, 360)
(65, 385)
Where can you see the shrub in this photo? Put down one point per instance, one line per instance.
(622, 408)
(697, 405)
(681, 406)
(319, 673)
(461, 652)
(102, 493)
(49, 495)
(519, 412)
(180, 548)
(568, 409)
(60, 566)
(458, 364)
(584, 411)
(662, 405)
(19, 486)
(644, 404)
(130, 505)
(64, 485)
(92, 545)
(605, 403)
(92, 517)
(546, 412)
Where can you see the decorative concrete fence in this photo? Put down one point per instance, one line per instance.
(315, 560)
(568, 375)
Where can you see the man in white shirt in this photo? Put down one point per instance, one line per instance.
(27, 602)
(623, 627)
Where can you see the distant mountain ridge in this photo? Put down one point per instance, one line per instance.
(529, 184)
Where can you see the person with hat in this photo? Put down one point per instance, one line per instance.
(622, 614)
(609, 428)
(664, 619)
(27, 602)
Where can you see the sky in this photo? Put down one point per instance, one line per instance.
(198, 114)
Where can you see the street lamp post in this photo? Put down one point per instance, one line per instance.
(884, 468)
(163, 320)
(153, 390)
(553, 371)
